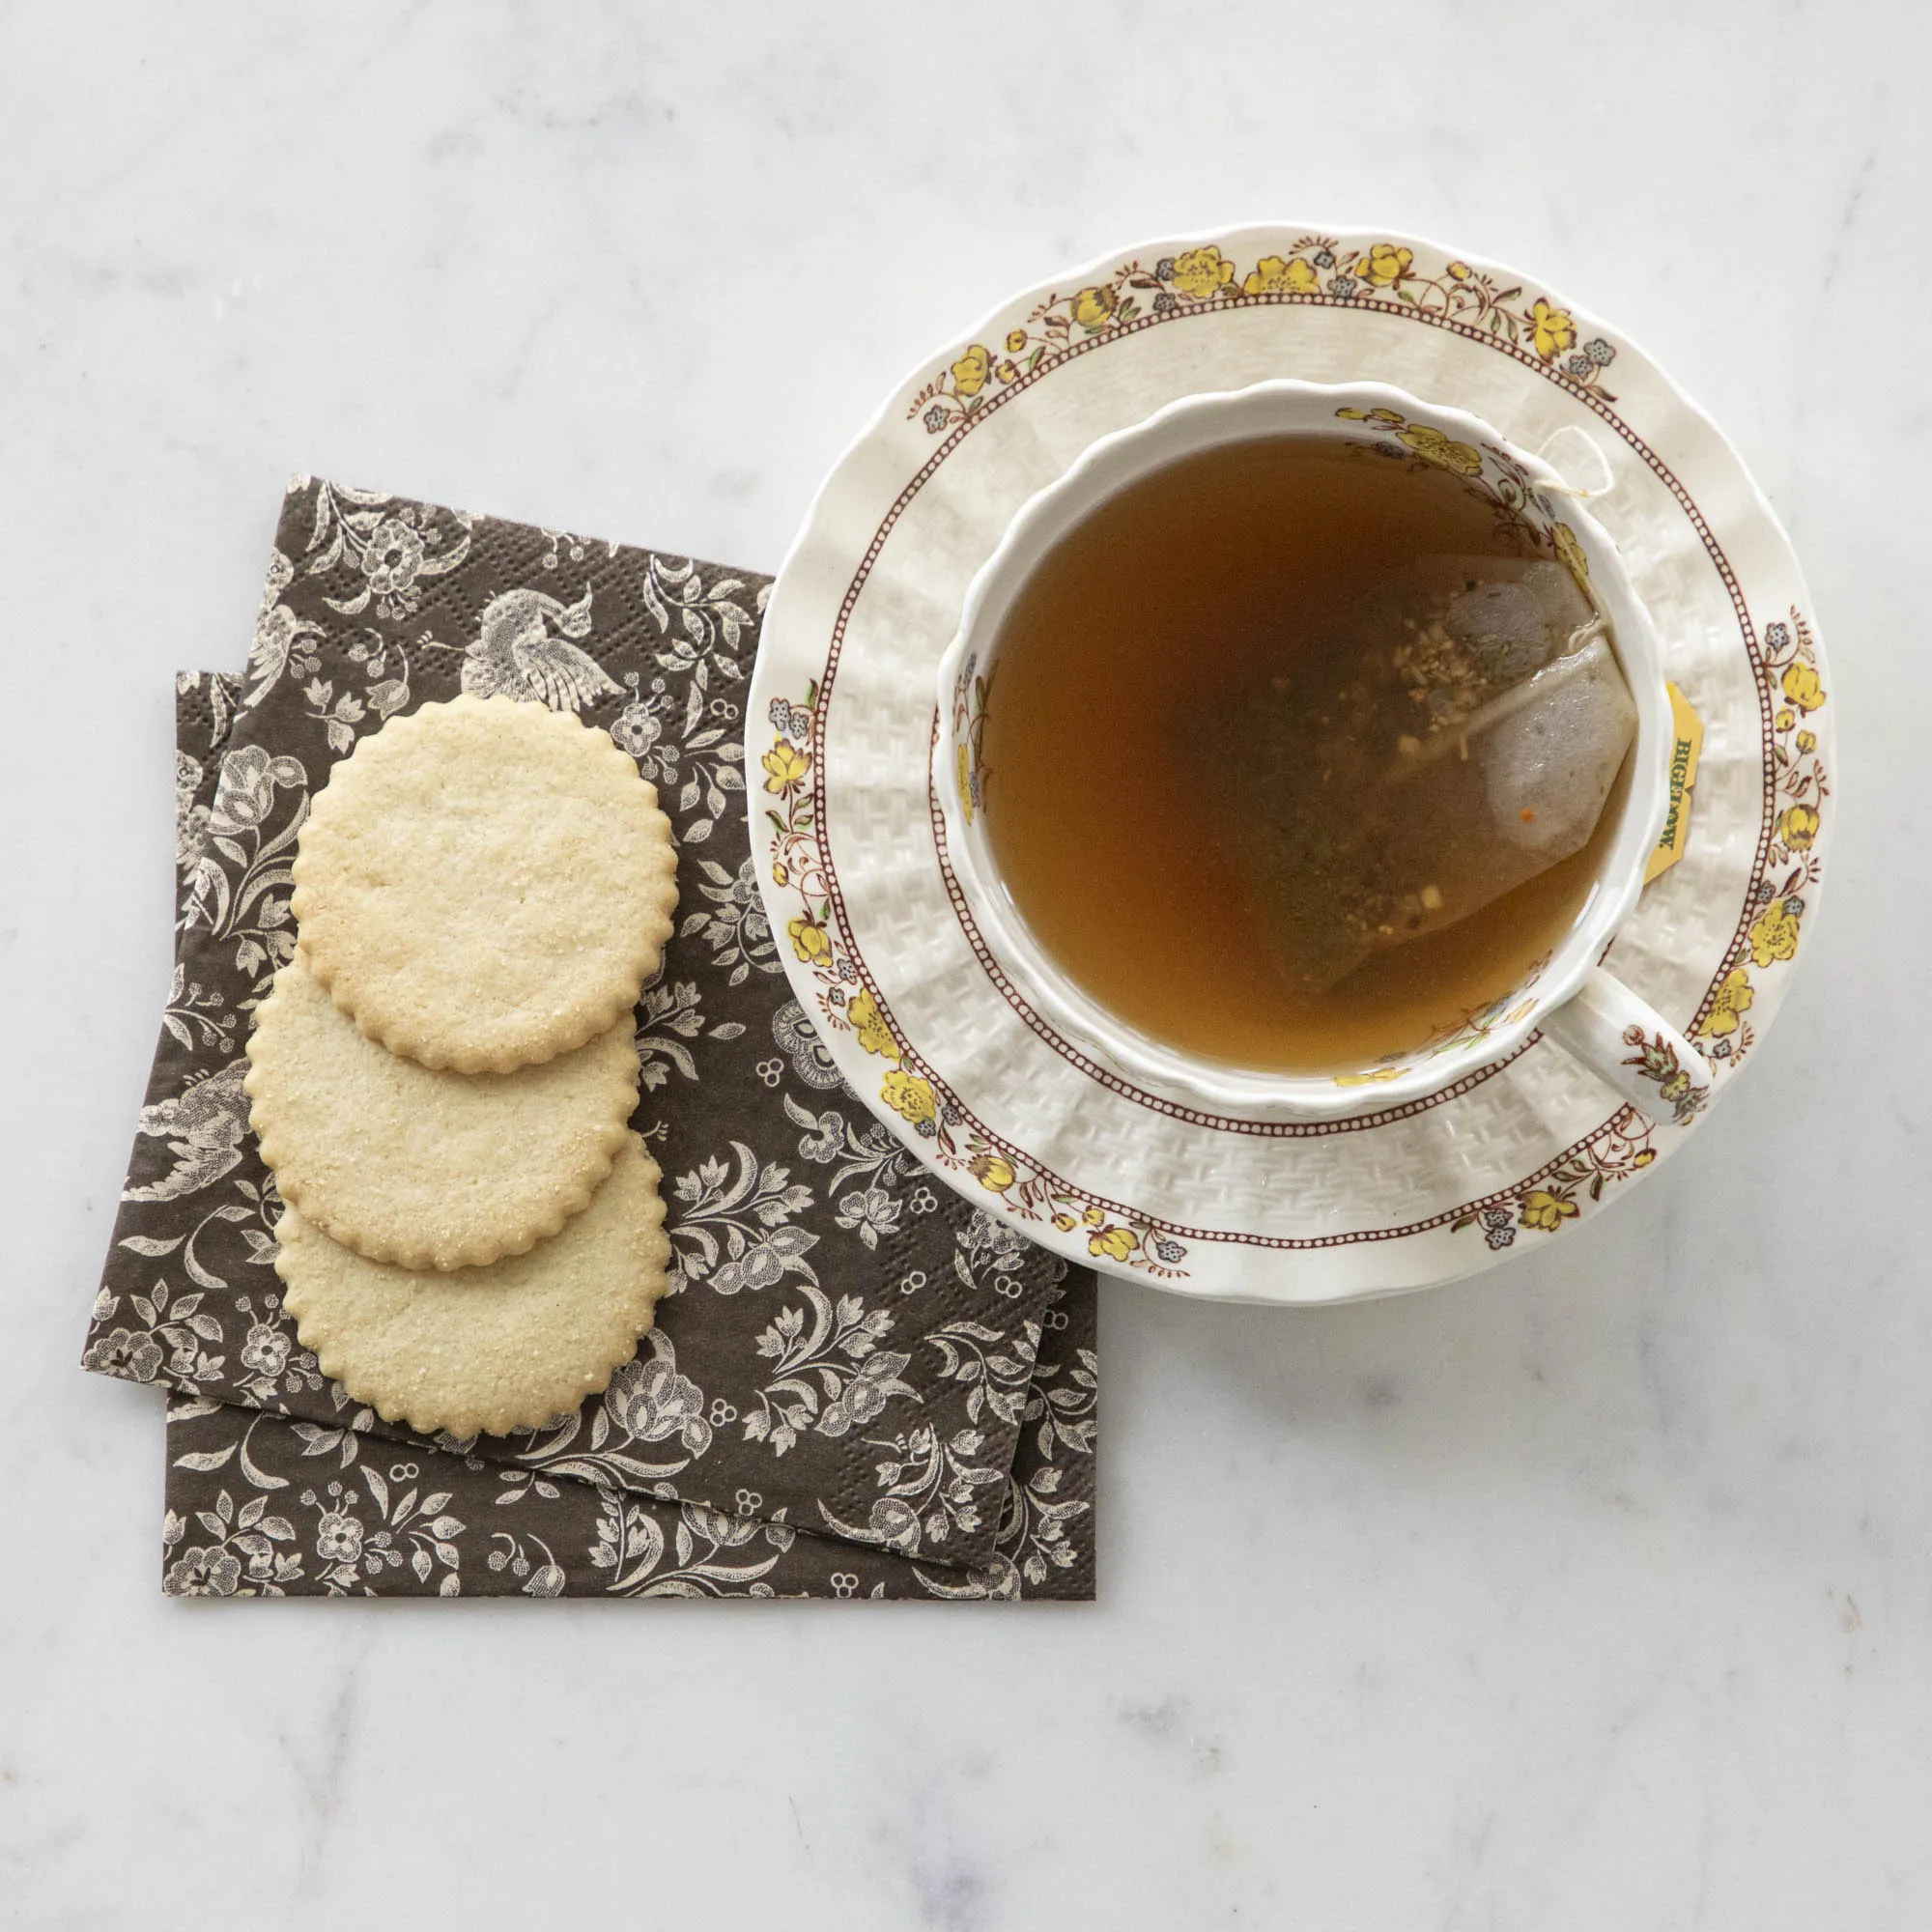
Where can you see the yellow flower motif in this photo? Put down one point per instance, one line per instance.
(785, 766)
(1734, 999)
(991, 1171)
(1435, 447)
(1774, 933)
(1385, 416)
(968, 373)
(1093, 308)
(1808, 741)
(1116, 1243)
(1015, 342)
(1202, 273)
(780, 876)
(1092, 1217)
(908, 1094)
(1065, 1222)
(1785, 719)
(961, 770)
(870, 1024)
(1644, 1157)
(1460, 270)
(1800, 827)
(1571, 551)
(1555, 328)
(1801, 685)
(1385, 264)
(1007, 370)
(1548, 1211)
(810, 940)
(1272, 272)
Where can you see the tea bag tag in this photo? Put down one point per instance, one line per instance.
(1687, 747)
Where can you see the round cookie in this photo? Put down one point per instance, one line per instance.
(421, 1168)
(484, 884)
(490, 1349)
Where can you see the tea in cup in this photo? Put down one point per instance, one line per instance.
(1301, 750)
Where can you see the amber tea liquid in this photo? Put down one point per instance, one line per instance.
(1195, 582)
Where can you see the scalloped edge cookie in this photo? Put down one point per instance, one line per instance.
(509, 1345)
(429, 1168)
(484, 884)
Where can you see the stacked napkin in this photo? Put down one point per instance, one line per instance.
(859, 1385)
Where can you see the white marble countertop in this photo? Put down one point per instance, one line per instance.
(1594, 1593)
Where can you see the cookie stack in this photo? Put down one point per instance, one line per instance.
(443, 1076)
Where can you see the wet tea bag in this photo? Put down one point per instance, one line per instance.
(1454, 734)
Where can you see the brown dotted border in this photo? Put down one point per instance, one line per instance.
(925, 473)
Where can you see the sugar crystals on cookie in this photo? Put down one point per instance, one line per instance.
(485, 884)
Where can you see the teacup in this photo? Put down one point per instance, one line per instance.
(1573, 1000)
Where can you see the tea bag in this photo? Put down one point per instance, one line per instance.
(1454, 733)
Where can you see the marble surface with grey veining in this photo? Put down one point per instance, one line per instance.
(1596, 1593)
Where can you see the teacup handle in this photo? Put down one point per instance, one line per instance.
(1627, 1043)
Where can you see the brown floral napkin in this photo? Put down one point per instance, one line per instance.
(861, 1385)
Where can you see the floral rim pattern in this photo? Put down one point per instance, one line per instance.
(1317, 268)
(849, 1006)
(1477, 303)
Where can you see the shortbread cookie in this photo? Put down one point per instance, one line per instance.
(429, 1169)
(490, 1348)
(484, 884)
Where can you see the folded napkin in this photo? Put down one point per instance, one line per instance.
(861, 1385)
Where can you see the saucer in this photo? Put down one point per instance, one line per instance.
(849, 845)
